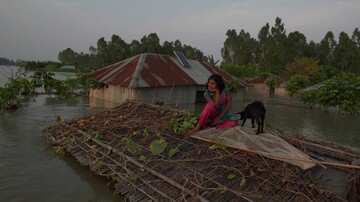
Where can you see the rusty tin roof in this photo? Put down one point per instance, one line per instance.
(150, 70)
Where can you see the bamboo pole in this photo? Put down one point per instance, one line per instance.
(140, 165)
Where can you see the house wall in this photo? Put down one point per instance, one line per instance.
(168, 95)
(114, 94)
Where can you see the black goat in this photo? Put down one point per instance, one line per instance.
(255, 110)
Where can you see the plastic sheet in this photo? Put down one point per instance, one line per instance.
(265, 144)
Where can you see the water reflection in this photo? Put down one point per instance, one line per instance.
(28, 172)
(292, 115)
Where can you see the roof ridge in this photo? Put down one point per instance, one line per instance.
(139, 67)
(124, 63)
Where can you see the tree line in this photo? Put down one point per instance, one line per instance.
(115, 50)
(5, 61)
(273, 49)
(274, 55)
(324, 74)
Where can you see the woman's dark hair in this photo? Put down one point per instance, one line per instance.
(218, 80)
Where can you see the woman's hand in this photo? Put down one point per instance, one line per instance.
(213, 90)
(216, 120)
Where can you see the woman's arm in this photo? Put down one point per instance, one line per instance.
(215, 100)
(228, 104)
(226, 108)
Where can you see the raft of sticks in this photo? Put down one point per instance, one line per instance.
(104, 141)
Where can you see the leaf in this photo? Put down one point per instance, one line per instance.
(187, 125)
(173, 151)
(217, 146)
(231, 176)
(97, 136)
(158, 146)
(132, 146)
(145, 133)
(242, 182)
(142, 158)
(59, 150)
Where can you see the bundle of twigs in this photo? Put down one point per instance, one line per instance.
(144, 159)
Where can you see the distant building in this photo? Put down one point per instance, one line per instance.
(257, 82)
(158, 78)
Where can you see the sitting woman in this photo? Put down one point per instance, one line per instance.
(216, 111)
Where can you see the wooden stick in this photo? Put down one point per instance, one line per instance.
(289, 158)
(136, 163)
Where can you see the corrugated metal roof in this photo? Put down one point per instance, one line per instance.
(150, 70)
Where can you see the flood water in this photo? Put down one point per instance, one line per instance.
(30, 172)
(292, 115)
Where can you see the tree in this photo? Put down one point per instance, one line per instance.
(5, 61)
(230, 48)
(311, 50)
(135, 47)
(210, 59)
(356, 63)
(168, 48)
(278, 36)
(103, 56)
(118, 49)
(150, 44)
(341, 90)
(326, 49)
(305, 67)
(264, 48)
(239, 48)
(344, 53)
(67, 56)
(296, 83)
(295, 46)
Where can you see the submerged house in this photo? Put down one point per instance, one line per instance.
(158, 78)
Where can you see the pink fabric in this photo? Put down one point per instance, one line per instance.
(210, 112)
(228, 123)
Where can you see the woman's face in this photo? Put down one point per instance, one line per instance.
(212, 85)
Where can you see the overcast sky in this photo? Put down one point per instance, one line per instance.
(39, 29)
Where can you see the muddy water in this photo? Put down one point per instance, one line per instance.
(29, 172)
(291, 115)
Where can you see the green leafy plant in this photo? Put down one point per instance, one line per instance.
(158, 146)
(183, 124)
(342, 91)
(59, 150)
(132, 146)
(174, 151)
(11, 96)
(296, 84)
